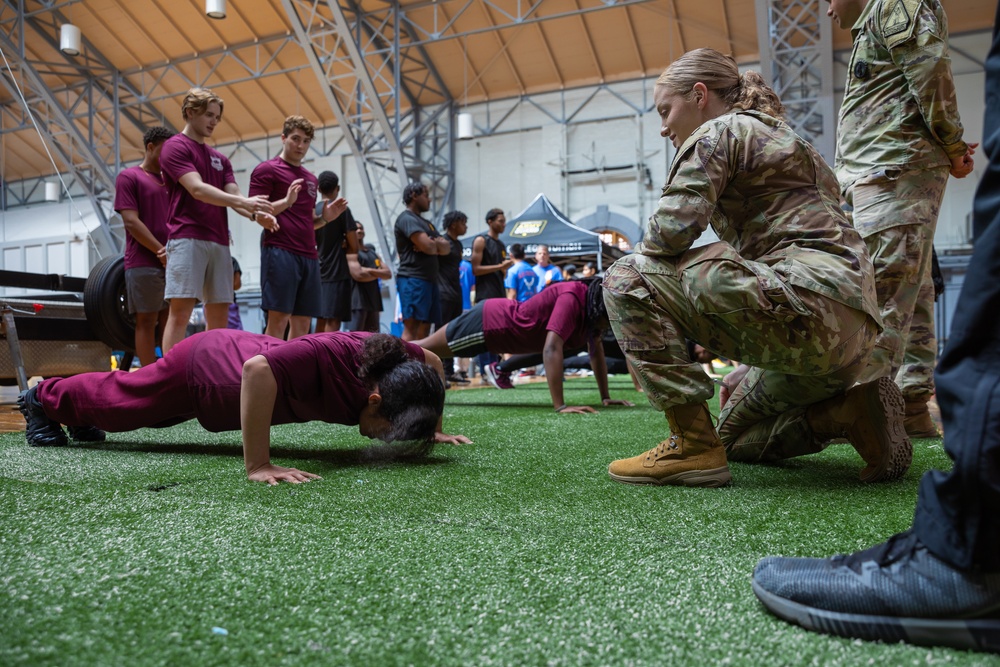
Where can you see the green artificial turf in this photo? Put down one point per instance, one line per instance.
(153, 549)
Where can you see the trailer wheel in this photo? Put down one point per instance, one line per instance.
(105, 304)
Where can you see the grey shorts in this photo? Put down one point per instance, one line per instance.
(144, 288)
(199, 269)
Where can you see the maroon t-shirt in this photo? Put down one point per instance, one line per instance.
(190, 218)
(317, 376)
(518, 328)
(295, 232)
(147, 194)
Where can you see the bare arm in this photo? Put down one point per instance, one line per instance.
(430, 246)
(258, 391)
(600, 367)
(140, 232)
(480, 269)
(282, 205)
(552, 357)
(366, 274)
(440, 436)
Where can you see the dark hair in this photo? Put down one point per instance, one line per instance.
(156, 135)
(493, 214)
(412, 190)
(596, 313)
(328, 182)
(412, 392)
(569, 270)
(517, 251)
(451, 217)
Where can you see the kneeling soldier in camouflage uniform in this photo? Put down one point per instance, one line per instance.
(788, 290)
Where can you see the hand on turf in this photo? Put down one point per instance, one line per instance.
(618, 401)
(273, 474)
(444, 438)
(731, 382)
(577, 409)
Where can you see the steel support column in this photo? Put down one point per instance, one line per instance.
(795, 40)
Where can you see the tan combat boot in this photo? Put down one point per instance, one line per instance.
(870, 416)
(693, 455)
(918, 422)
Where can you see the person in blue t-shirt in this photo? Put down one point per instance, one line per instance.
(467, 281)
(546, 271)
(522, 281)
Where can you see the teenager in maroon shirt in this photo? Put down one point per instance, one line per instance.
(231, 380)
(563, 316)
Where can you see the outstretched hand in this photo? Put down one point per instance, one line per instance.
(577, 410)
(445, 439)
(617, 401)
(333, 209)
(273, 474)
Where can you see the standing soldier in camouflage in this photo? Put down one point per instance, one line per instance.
(790, 290)
(899, 137)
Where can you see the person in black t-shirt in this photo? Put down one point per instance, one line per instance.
(456, 224)
(419, 244)
(489, 258)
(366, 297)
(337, 244)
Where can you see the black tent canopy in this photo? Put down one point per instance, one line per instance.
(541, 223)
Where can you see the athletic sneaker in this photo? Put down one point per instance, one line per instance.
(41, 431)
(456, 378)
(895, 591)
(497, 377)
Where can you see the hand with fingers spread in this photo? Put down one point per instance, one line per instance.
(575, 410)
(334, 208)
(617, 401)
(445, 439)
(273, 475)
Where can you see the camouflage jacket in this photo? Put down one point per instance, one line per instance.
(770, 195)
(899, 108)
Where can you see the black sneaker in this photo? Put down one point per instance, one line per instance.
(456, 378)
(86, 433)
(41, 431)
(895, 591)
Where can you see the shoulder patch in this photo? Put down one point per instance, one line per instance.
(898, 21)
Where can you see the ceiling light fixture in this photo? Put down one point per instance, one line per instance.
(69, 39)
(215, 9)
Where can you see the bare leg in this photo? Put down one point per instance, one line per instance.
(327, 326)
(177, 321)
(216, 315)
(437, 343)
(145, 337)
(300, 326)
(276, 324)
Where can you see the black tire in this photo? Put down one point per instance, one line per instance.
(105, 302)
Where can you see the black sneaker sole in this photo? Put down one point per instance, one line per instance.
(965, 634)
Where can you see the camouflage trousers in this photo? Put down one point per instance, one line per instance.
(916, 375)
(803, 347)
(896, 213)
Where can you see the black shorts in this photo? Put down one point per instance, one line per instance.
(465, 333)
(289, 282)
(336, 300)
